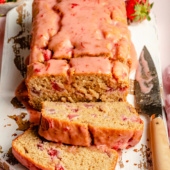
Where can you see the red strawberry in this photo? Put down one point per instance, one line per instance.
(138, 10)
(2, 1)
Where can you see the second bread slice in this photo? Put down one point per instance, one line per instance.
(114, 124)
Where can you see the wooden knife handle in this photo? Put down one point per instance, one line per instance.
(159, 145)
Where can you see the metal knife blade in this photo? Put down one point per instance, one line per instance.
(148, 98)
(148, 101)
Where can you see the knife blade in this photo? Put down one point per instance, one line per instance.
(148, 101)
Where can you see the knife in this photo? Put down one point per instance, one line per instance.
(148, 101)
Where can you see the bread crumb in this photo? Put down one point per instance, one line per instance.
(1, 149)
(16, 103)
(19, 119)
(120, 161)
(135, 150)
(7, 125)
(146, 160)
(14, 134)
(10, 157)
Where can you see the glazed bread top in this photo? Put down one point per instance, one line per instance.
(76, 28)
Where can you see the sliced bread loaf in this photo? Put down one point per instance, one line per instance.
(37, 154)
(80, 51)
(115, 124)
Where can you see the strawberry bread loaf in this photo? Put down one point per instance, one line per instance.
(35, 153)
(80, 52)
(114, 124)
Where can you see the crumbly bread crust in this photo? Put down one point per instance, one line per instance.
(114, 124)
(82, 30)
(36, 153)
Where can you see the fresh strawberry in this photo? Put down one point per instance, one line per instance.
(2, 1)
(138, 10)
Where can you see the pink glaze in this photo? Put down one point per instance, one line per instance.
(120, 71)
(27, 163)
(135, 138)
(121, 139)
(50, 67)
(63, 131)
(34, 116)
(143, 81)
(91, 65)
(43, 31)
(80, 28)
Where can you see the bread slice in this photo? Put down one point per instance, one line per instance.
(114, 124)
(36, 153)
